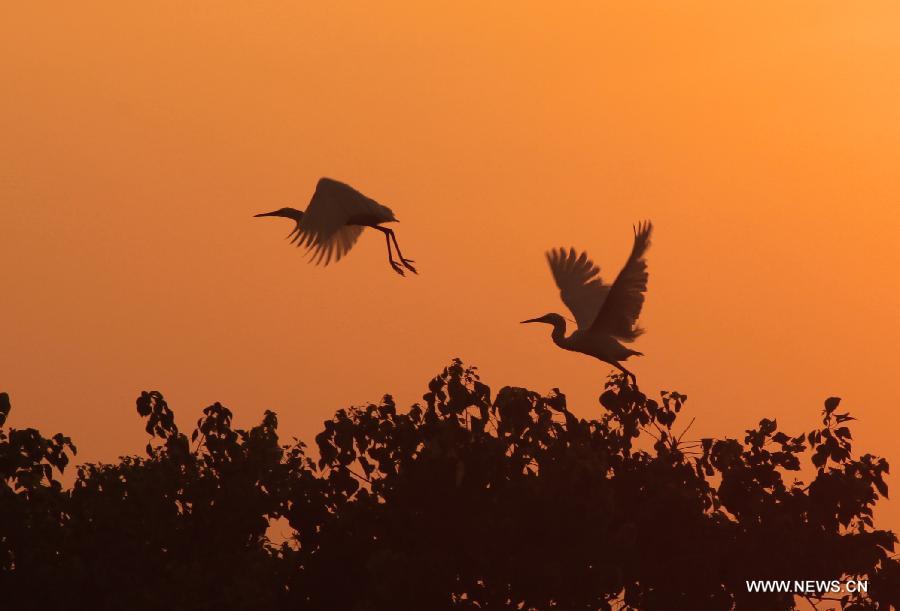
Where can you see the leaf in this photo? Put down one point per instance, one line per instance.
(831, 404)
(366, 465)
(820, 456)
(4, 407)
(611, 401)
(476, 424)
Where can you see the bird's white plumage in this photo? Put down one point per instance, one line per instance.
(335, 217)
(606, 314)
(323, 250)
(620, 310)
(580, 285)
(598, 308)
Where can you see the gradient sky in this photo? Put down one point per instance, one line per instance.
(761, 138)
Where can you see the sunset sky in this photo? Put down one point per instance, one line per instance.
(762, 139)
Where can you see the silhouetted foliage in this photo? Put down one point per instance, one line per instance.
(465, 501)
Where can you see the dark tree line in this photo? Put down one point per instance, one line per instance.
(465, 501)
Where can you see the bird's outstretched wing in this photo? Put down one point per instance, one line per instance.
(579, 282)
(619, 313)
(322, 251)
(329, 226)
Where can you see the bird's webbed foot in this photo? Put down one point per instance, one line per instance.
(407, 263)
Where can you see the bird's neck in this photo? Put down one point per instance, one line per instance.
(559, 332)
(293, 213)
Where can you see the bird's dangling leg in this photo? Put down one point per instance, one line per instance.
(387, 239)
(628, 374)
(406, 262)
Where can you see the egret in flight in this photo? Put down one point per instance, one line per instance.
(606, 314)
(333, 220)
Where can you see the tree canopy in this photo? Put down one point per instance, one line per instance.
(467, 500)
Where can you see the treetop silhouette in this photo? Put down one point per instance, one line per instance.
(467, 500)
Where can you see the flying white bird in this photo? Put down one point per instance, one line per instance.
(333, 220)
(606, 315)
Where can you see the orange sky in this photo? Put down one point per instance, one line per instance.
(761, 138)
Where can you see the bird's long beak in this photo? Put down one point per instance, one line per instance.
(531, 320)
(273, 213)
